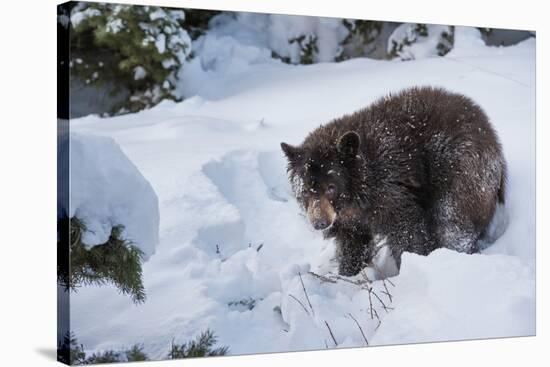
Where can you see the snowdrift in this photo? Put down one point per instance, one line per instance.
(236, 255)
(107, 190)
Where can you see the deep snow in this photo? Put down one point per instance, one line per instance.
(230, 230)
(107, 190)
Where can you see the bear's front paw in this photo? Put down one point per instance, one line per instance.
(349, 268)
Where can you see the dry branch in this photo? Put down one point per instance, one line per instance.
(387, 292)
(386, 308)
(301, 304)
(331, 334)
(360, 329)
(305, 292)
(322, 278)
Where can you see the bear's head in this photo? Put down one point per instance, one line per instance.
(325, 176)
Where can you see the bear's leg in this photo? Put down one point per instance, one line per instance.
(453, 227)
(408, 230)
(351, 253)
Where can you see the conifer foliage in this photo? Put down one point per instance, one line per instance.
(410, 41)
(70, 351)
(141, 48)
(137, 53)
(116, 262)
(202, 346)
(361, 34)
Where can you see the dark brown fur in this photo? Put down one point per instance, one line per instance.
(422, 168)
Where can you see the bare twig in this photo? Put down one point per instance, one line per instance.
(364, 283)
(365, 276)
(322, 278)
(305, 292)
(387, 292)
(331, 334)
(370, 305)
(358, 283)
(379, 321)
(360, 329)
(334, 278)
(387, 295)
(386, 308)
(301, 304)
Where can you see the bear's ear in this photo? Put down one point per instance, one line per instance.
(292, 153)
(348, 143)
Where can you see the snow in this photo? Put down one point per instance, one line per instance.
(77, 16)
(160, 43)
(422, 46)
(272, 32)
(139, 72)
(157, 14)
(232, 236)
(492, 297)
(107, 190)
(114, 25)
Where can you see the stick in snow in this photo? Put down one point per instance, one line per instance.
(305, 292)
(331, 334)
(322, 278)
(370, 304)
(301, 304)
(360, 329)
(387, 292)
(379, 321)
(386, 308)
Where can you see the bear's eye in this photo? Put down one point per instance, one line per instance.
(331, 191)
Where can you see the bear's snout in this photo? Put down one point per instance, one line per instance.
(321, 213)
(320, 224)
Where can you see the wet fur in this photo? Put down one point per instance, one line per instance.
(427, 173)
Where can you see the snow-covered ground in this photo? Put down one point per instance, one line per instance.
(108, 190)
(234, 248)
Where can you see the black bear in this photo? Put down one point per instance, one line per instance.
(417, 170)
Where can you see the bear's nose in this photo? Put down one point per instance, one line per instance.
(320, 224)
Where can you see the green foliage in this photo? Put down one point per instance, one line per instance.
(69, 351)
(306, 45)
(367, 30)
(446, 42)
(420, 32)
(77, 356)
(136, 354)
(202, 346)
(308, 48)
(140, 48)
(361, 35)
(197, 20)
(397, 48)
(116, 261)
(104, 357)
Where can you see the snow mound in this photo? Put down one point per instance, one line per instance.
(108, 190)
(412, 41)
(467, 39)
(451, 296)
(282, 33)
